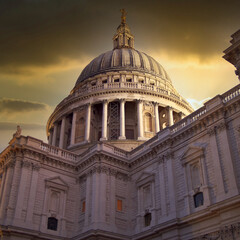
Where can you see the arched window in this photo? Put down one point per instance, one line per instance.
(52, 223)
(148, 122)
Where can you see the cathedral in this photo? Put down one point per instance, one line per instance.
(127, 158)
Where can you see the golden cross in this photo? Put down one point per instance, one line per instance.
(123, 17)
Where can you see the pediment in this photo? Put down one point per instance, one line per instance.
(56, 182)
(144, 178)
(192, 152)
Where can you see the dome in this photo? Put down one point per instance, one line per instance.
(127, 59)
(123, 96)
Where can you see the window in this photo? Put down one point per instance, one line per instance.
(198, 199)
(93, 83)
(129, 80)
(141, 81)
(147, 219)
(116, 80)
(104, 81)
(83, 206)
(52, 223)
(152, 83)
(119, 205)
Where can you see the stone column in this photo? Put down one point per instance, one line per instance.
(102, 197)
(88, 122)
(171, 185)
(162, 182)
(21, 190)
(122, 119)
(227, 159)
(54, 140)
(104, 121)
(170, 116)
(7, 189)
(32, 193)
(95, 197)
(73, 131)
(157, 127)
(217, 165)
(140, 119)
(87, 201)
(14, 188)
(62, 132)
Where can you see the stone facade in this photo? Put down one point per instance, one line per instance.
(173, 179)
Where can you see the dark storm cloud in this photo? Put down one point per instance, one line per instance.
(26, 126)
(41, 32)
(15, 105)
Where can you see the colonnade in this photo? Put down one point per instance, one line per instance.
(104, 136)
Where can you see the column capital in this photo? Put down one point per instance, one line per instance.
(122, 100)
(105, 101)
(155, 103)
(139, 101)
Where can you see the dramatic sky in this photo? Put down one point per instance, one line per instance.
(44, 45)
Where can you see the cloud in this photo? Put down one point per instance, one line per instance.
(6, 126)
(197, 103)
(15, 105)
(40, 33)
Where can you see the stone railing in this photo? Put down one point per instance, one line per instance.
(105, 147)
(232, 93)
(54, 151)
(188, 120)
(126, 85)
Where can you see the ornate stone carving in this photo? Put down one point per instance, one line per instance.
(26, 164)
(36, 166)
(226, 232)
(211, 131)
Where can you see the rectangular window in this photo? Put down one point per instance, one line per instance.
(83, 206)
(116, 80)
(129, 80)
(104, 81)
(119, 205)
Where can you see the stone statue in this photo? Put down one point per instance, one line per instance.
(18, 132)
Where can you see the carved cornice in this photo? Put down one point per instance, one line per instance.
(217, 128)
(105, 170)
(225, 232)
(166, 156)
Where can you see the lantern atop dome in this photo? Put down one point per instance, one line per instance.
(123, 38)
